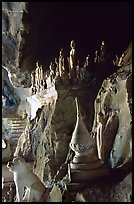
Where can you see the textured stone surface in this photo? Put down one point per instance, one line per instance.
(52, 135)
(115, 97)
(52, 147)
(12, 39)
(51, 129)
(108, 192)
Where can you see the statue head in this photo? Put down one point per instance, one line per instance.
(96, 53)
(37, 63)
(61, 51)
(72, 44)
(103, 43)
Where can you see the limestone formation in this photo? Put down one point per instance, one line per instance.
(107, 191)
(55, 194)
(12, 39)
(114, 99)
(52, 124)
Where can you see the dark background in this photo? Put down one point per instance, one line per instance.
(56, 24)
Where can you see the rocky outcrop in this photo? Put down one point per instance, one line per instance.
(13, 41)
(50, 131)
(57, 120)
(115, 100)
(107, 192)
(52, 134)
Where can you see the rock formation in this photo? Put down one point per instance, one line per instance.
(54, 118)
(115, 100)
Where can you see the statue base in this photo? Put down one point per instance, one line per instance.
(87, 168)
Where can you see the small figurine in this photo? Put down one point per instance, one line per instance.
(61, 63)
(99, 138)
(72, 61)
(121, 60)
(96, 59)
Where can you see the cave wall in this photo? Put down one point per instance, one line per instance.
(51, 133)
(52, 128)
(58, 119)
(108, 192)
(13, 30)
(115, 97)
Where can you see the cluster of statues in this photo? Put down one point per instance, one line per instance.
(69, 70)
(119, 60)
(103, 56)
(37, 79)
